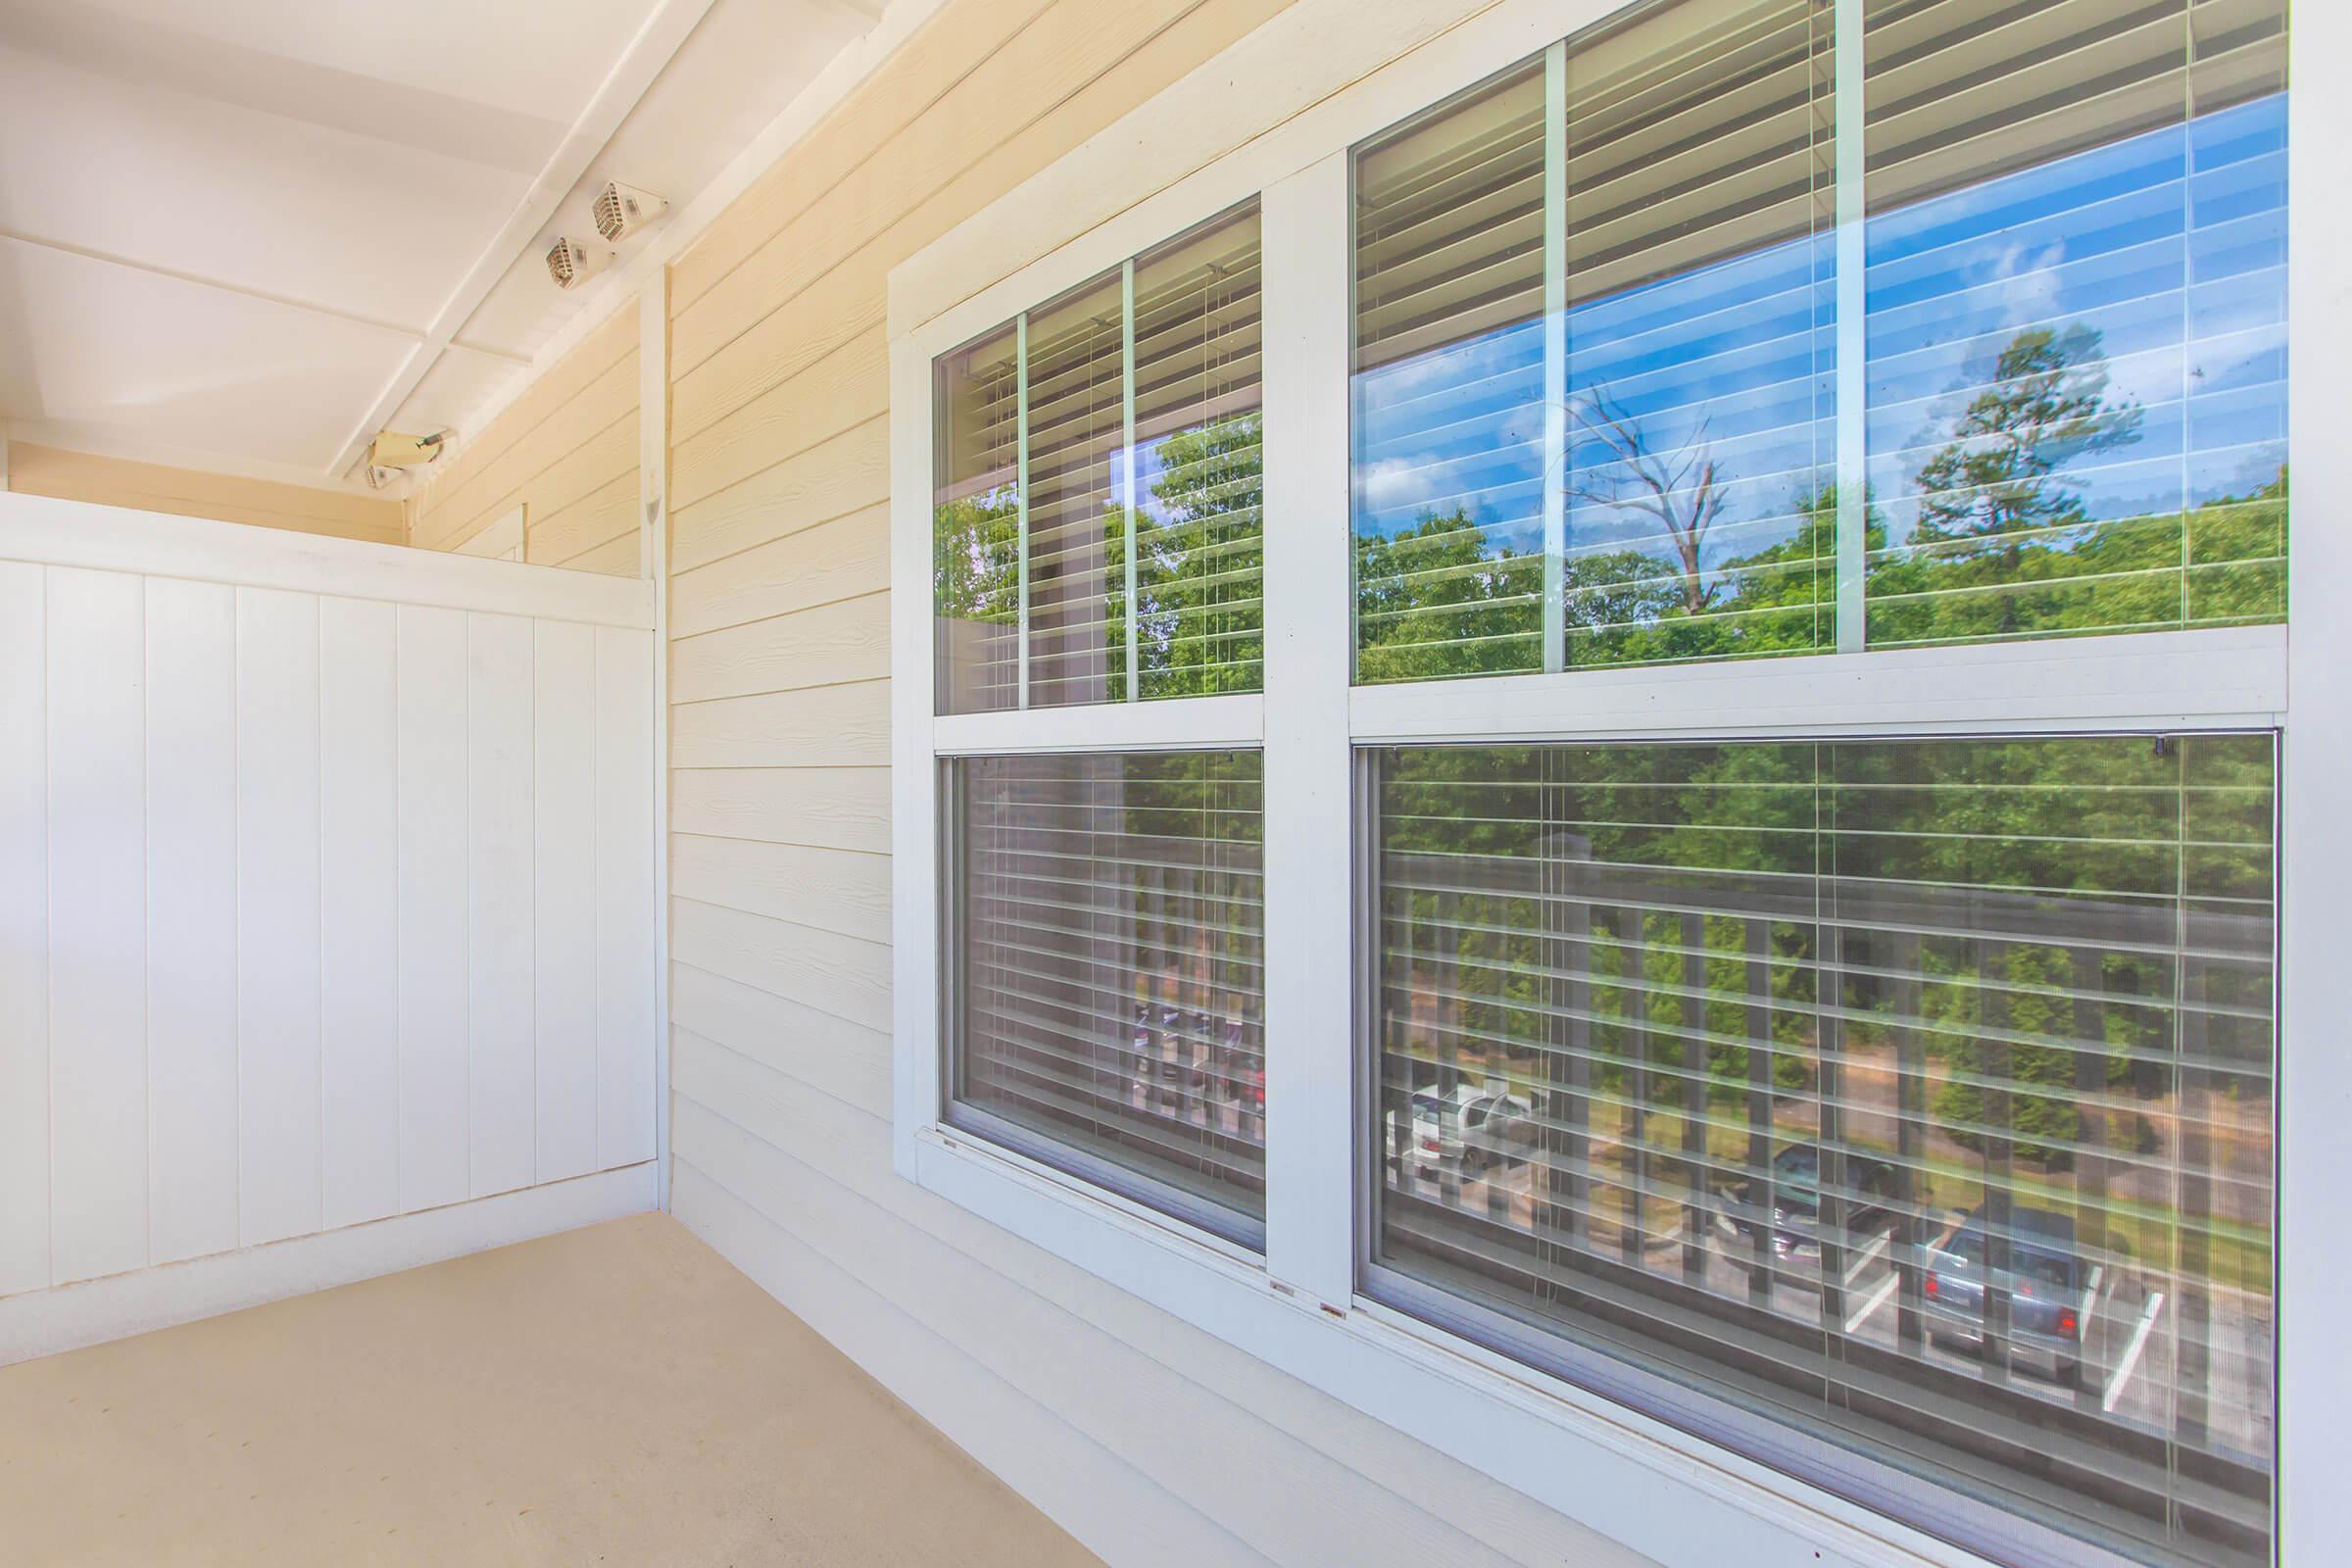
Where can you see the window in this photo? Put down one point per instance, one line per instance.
(1098, 514)
(1106, 927)
(1664, 353)
(1916, 1091)
(1727, 853)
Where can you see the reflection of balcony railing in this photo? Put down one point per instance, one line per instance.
(1646, 1017)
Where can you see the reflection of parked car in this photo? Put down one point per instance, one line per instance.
(1498, 1131)
(1794, 1211)
(1472, 1129)
(2045, 1280)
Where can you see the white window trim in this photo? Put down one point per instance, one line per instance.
(1275, 115)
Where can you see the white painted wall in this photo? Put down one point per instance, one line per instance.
(326, 897)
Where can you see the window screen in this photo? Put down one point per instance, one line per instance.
(1916, 1092)
(1622, 396)
(1098, 521)
(1105, 944)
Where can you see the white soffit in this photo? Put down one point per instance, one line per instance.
(243, 236)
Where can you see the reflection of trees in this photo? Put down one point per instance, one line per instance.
(2043, 1040)
(1682, 492)
(1993, 479)
(2000, 544)
(975, 557)
(1200, 561)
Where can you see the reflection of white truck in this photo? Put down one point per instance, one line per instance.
(1472, 1130)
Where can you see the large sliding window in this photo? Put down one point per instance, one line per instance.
(1918, 1093)
(1911, 1095)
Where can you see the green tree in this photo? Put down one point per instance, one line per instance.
(1199, 550)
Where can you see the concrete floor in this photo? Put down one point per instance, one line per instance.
(614, 1394)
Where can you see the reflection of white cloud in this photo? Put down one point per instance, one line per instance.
(2027, 278)
(1467, 363)
(1392, 482)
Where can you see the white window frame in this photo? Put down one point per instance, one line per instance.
(1276, 117)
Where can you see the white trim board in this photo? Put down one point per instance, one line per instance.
(68, 1317)
(84, 533)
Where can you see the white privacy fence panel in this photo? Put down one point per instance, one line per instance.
(326, 885)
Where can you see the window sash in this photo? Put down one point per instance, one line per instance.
(1684, 1343)
(2121, 533)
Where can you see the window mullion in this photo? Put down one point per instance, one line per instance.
(1309, 1025)
(1555, 356)
(1020, 484)
(1127, 500)
(1853, 343)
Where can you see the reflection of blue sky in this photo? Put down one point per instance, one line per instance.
(2169, 244)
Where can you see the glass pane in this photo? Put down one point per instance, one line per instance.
(1108, 940)
(976, 527)
(1917, 1092)
(1199, 516)
(2077, 318)
(1700, 336)
(1101, 462)
(1449, 391)
(1077, 431)
(1685, 354)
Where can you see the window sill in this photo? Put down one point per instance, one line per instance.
(1657, 1490)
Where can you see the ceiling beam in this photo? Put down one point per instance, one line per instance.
(665, 32)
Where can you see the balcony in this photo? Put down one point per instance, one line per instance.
(615, 1394)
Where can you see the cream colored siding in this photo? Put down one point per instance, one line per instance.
(1150, 1440)
(566, 451)
(42, 471)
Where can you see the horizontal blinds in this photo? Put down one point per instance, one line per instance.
(1920, 1092)
(1076, 431)
(1200, 488)
(1616, 272)
(1449, 390)
(2077, 277)
(1108, 933)
(977, 523)
(1700, 335)
(1098, 513)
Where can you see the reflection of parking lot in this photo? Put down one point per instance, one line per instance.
(2135, 1335)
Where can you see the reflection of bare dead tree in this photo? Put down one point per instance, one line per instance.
(1684, 490)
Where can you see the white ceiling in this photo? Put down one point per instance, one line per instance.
(244, 235)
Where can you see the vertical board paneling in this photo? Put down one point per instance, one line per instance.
(96, 701)
(626, 841)
(23, 931)
(191, 918)
(358, 996)
(277, 914)
(434, 1109)
(313, 910)
(502, 1059)
(563, 821)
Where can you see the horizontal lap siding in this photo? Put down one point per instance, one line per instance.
(566, 451)
(1151, 1440)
